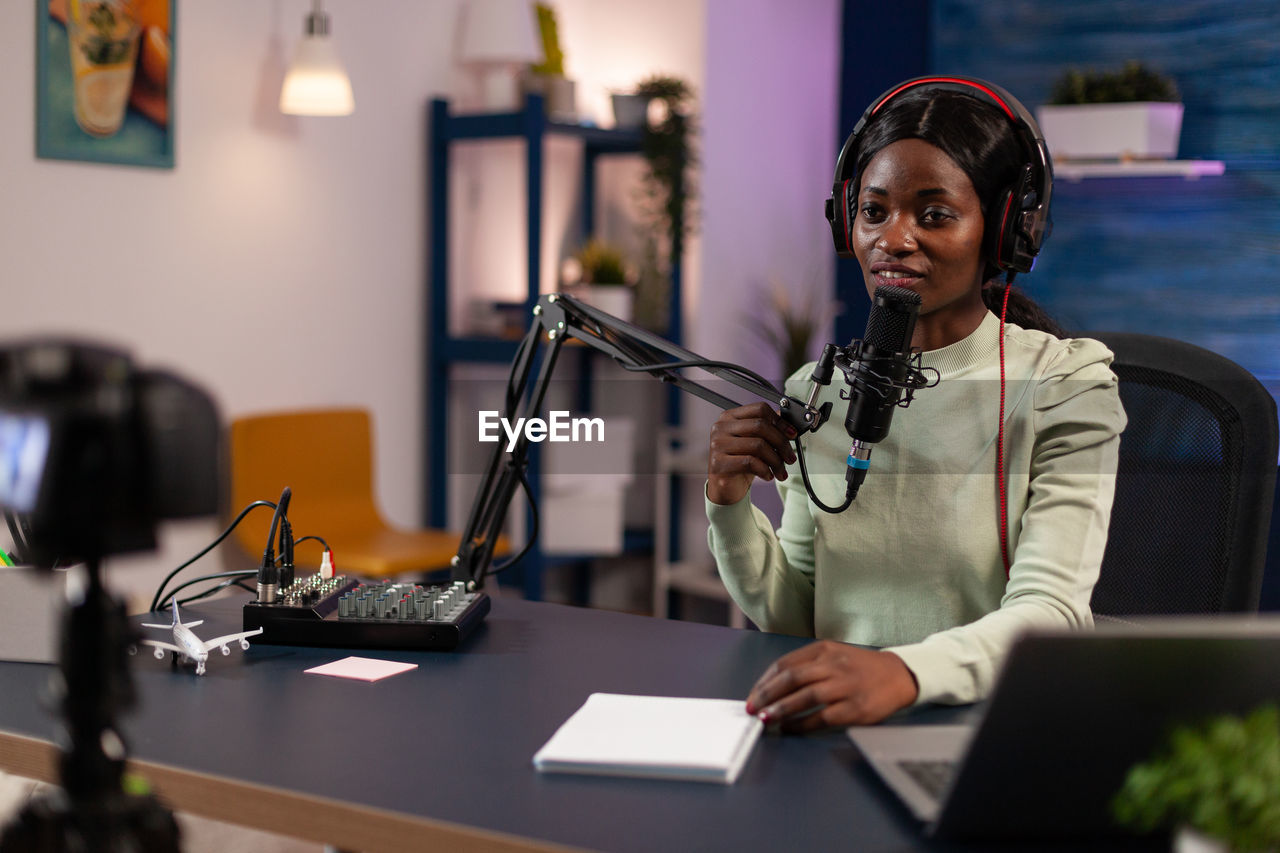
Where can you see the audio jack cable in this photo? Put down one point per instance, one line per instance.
(269, 572)
(286, 554)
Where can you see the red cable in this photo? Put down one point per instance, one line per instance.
(1000, 484)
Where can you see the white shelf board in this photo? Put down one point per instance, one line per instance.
(698, 577)
(1189, 169)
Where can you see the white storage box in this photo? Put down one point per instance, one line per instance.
(30, 613)
(583, 490)
(582, 522)
(1141, 130)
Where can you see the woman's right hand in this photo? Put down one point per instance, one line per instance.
(747, 442)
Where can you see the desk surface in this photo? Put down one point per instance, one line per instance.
(442, 754)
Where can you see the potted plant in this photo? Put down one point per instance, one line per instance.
(1133, 113)
(668, 150)
(601, 277)
(547, 78)
(667, 190)
(1219, 781)
(789, 324)
(630, 110)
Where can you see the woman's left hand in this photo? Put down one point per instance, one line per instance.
(828, 684)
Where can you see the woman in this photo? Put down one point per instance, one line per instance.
(919, 567)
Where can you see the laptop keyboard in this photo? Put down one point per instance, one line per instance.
(933, 776)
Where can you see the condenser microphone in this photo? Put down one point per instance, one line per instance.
(878, 368)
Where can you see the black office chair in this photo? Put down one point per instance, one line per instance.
(1195, 483)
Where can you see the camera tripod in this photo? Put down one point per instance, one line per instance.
(93, 811)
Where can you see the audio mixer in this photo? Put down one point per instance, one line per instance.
(346, 612)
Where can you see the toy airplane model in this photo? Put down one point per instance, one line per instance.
(191, 647)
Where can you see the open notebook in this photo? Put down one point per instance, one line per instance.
(704, 740)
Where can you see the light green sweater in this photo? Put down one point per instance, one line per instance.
(914, 564)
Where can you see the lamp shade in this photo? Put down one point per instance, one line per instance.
(317, 84)
(500, 32)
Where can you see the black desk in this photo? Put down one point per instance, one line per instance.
(440, 757)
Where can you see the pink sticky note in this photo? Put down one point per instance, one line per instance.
(363, 669)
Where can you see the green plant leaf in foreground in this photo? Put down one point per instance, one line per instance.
(1222, 778)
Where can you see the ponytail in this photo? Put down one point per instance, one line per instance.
(1023, 311)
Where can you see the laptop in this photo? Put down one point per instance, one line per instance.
(1070, 713)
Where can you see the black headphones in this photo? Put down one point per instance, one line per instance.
(1016, 226)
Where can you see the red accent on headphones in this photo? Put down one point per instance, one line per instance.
(1013, 245)
(846, 226)
(963, 81)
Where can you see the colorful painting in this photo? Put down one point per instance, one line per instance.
(104, 81)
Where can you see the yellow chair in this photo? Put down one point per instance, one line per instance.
(326, 457)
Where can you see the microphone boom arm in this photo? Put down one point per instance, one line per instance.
(557, 318)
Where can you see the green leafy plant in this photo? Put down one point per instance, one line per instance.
(1221, 778)
(667, 191)
(602, 264)
(668, 153)
(1134, 82)
(553, 56)
(790, 325)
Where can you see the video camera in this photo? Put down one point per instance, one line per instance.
(94, 451)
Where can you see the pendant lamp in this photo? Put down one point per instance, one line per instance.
(317, 84)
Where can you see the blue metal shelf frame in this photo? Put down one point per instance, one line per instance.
(443, 350)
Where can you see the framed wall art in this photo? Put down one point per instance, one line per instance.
(105, 81)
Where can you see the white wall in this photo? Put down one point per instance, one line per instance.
(281, 261)
(769, 117)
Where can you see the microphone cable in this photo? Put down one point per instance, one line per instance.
(155, 601)
(851, 489)
(232, 578)
(1001, 486)
(703, 362)
(850, 493)
(268, 572)
(535, 524)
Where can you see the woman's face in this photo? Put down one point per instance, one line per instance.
(919, 225)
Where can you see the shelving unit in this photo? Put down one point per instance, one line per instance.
(444, 349)
(678, 456)
(1189, 169)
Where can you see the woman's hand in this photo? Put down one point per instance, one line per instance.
(747, 442)
(832, 684)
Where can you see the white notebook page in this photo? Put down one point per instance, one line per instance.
(671, 737)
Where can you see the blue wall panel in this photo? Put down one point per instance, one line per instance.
(881, 45)
(1196, 260)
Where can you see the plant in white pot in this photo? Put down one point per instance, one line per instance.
(599, 274)
(547, 78)
(1133, 113)
(1214, 784)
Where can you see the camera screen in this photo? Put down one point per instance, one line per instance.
(24, 447)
